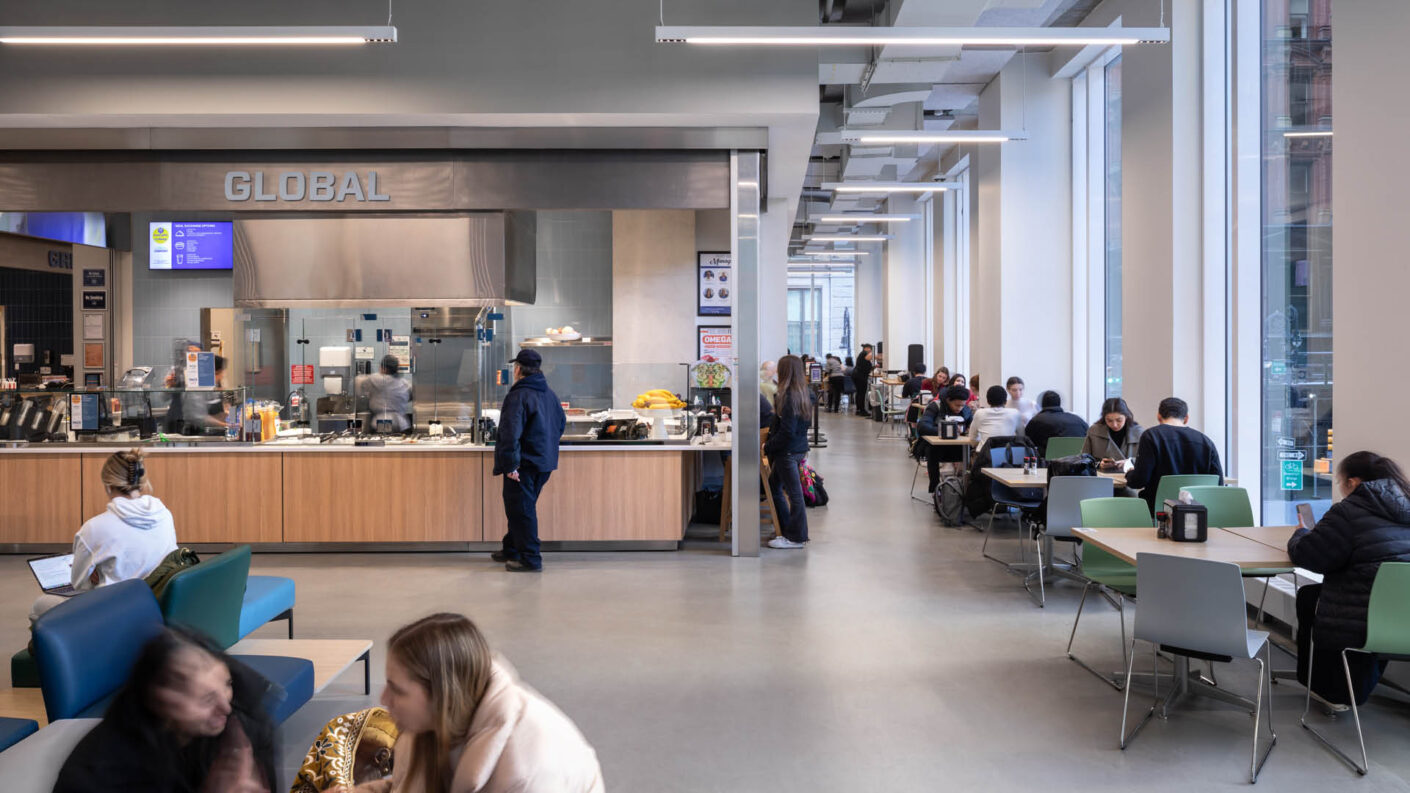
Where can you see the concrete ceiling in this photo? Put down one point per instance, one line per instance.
(906, 89)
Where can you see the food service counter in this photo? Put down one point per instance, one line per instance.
(631, 497)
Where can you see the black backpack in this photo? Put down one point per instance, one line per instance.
(949, 500)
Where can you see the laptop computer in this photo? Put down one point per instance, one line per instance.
(54, 574)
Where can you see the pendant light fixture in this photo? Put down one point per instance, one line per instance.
(203, 36)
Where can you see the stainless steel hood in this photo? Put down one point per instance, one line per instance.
(477, 259)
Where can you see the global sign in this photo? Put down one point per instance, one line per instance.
(294, 186)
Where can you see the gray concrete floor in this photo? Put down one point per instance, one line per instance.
(888, 656)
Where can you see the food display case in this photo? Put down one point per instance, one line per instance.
(122, 415)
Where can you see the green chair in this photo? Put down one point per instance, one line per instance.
(1231, 507)
(1170, 486)
(1387, 638)
(1106, 572)
(1063, 447)
(207, 597)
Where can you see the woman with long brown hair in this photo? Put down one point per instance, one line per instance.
(786, 447)
(468, 725)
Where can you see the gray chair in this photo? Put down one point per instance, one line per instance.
(1065, 496)
(1196, 608)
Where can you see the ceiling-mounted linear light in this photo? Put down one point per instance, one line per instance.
(833, 254)
(864, 217)
(886, 187)
(884, 137)
(215, 35)
(1321, 133)
(846, 36)
(848, 238)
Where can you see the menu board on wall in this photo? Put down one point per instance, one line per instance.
(715, 341)
(714, 284)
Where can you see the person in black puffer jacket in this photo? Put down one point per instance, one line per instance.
(1369, 526)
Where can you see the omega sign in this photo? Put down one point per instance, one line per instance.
(300, 186)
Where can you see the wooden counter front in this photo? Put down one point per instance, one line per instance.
(39, 498)
(383, 497)
(616, 495)
(213, 498)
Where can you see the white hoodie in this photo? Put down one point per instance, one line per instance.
(127, 541)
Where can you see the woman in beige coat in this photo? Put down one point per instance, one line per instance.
(468, 725)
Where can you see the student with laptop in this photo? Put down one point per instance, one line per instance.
(128, 540)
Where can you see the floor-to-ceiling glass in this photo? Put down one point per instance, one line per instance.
(822, 324)
(1113, 227)
(1297, 255)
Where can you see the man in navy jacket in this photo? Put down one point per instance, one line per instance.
(531, 424)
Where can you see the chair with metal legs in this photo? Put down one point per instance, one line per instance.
(1230, 507)
(1195, 608)
(1387, 638)
(1007, 497)
(1113, 579)
(1065, 497)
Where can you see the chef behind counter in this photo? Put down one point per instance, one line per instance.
(388, 397)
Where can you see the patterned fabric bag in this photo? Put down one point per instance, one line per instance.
(352, 749)
(814, 495)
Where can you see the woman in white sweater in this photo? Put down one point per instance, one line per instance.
(995, 420)
(127, 540)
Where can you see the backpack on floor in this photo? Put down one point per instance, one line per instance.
(814, 494)
(949, 500)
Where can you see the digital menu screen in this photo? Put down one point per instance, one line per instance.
(178, 245)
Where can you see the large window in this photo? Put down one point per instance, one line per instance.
(1112, 171)
(1297, 255)
(822, 324)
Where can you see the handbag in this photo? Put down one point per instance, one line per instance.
(170, 565)
(814, 495)
(351, 749)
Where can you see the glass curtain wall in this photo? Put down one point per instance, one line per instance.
(1112, 114)
(1297, 256)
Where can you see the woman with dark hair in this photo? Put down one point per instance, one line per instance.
(786, 447)
(468, 723)
(1369, 526)
(188, 720)
(1116, 436)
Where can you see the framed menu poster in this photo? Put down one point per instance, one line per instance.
(714, 284)
(715, 341)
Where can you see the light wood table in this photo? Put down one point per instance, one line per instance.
(23, 703)
(1222, 546)
(1272, 536)
(1014, 477)
(330, 657)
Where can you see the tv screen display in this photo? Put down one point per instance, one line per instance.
(180, 245)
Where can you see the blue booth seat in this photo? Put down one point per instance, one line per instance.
(12, 731)
(267, 598)
(86, 648)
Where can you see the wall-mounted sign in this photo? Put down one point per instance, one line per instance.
(61, 260)
(715, 341)
(714, 284)
(320, 186)
(1291, 474)
(95, 301)
(301, 374)
(95, 278)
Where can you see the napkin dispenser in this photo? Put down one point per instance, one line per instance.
(1186, 522)
(949, 430)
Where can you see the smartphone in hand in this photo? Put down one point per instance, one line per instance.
(1304, 516)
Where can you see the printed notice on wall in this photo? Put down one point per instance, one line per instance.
(714, 284)
(716, 343)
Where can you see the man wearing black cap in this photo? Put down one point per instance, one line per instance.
(531, 423)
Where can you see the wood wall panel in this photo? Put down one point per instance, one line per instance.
(383, 497)
(39, 498)
(602, 496)
(213, 498)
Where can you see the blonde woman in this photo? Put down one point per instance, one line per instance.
(468, 725)
(128, 540)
